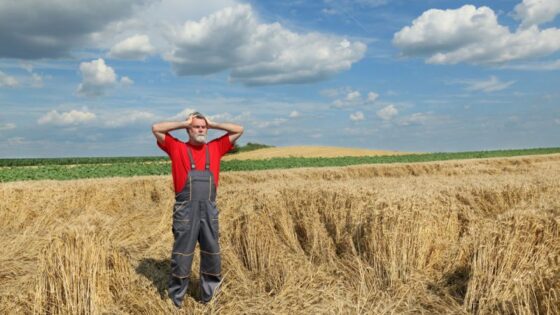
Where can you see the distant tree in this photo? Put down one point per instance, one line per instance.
(248, 147)
(234, 150)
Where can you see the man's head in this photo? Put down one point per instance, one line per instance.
(199, 128)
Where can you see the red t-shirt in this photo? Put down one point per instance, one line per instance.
(180, 165)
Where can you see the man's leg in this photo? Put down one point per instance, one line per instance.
(210, 260)
(185, 232)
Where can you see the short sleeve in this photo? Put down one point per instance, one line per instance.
(169, 143)
(223, 143)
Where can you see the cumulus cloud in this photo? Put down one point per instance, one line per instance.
(535, 12)
(347, 97)
(126, 81)
(388, 112)
(73, 117)
(351, 98)
(491, 84)
(136, 47)
(128, 118)
(372, 97)
(8, 80)
(257, 53)
(52, 28)
(97, 77)
(294, 114)
(472, 35)
(357, 116)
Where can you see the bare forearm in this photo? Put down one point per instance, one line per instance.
(234, 131)
(229, 127)
(167, 126)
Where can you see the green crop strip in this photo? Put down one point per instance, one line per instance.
(75, 168)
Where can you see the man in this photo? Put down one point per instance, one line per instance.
(195, 166)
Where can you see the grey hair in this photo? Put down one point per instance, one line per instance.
(198, 115)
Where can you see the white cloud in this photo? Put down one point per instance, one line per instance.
(227, 117)
(257, 53)
(535, 12)
(34, 80)
(136, 47)
(97, 77)
(7, 126)
(388, 112)
(472, 35)
(182, 115)
(372, 97)
(126, 81)
(294, 114)
(8, 80)
(492, 84)
(357, 116)
(73, 117)
(557, 121)
(416, 119)
(128, 118)
(351, 98)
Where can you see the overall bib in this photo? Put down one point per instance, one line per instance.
(195, 218)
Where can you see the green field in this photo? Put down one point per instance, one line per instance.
(74, 168)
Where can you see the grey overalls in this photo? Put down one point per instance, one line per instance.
(195, 217)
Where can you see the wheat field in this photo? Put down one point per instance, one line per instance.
(455, 237)
(307, 151)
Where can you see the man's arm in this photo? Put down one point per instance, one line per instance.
(234, 131)
(159, 129)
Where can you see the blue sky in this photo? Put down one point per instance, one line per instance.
(83, 78)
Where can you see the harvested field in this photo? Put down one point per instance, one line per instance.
(307, 151)
(455, 237)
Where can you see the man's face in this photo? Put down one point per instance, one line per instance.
(198, 130)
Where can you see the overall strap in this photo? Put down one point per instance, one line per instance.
(191, 160)
(207, 166)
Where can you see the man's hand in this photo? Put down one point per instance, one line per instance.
(211, 124)
(189, 120)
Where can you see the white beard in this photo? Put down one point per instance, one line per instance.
(200, 138)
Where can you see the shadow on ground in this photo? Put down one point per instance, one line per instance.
(158, 270)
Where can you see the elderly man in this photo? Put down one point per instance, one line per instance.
(195, 166)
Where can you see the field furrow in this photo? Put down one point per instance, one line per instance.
(455, 237)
